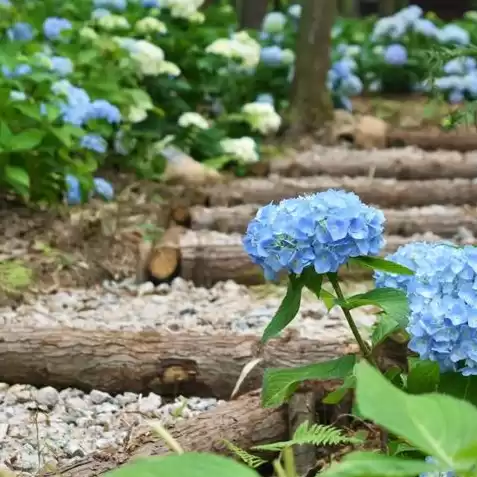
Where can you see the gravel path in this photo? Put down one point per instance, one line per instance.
(45, 427)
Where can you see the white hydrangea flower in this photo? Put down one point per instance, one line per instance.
(274, 22)
(262, 117)
(197, 18)
(288, 56)
(241, 47)
(149, 57)
(150, 25)
(169, 68)
(192, 119)
(113, 22)
(88, 33)
(295, 10)
(136, 114)
(243, 149)
(185, 9)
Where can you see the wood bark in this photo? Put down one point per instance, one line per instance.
(243, 422)
(251, 13)
(387, 193)
(208, 257)
(443, 221)
(311, 107)
(184, 363)
(406, 164)
(462, 142)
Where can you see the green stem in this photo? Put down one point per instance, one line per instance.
(363, 346)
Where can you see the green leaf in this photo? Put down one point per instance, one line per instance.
(372, 464)
(312, 281)
(328, 299)
(391, 300)
(5, 134)
(31, 111)
(423, 376)
(287, 310)
(384, 327)
(376, 263)
(456, 385)
(18, 178)
(26, 140)
(279, 384)
(438, 425)
(191, 464)
(336, 396)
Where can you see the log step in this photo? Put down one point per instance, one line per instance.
(206, 257)
(407, 164)
(443, 221)
(387, 193)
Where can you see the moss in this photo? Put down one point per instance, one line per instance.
(14, 276)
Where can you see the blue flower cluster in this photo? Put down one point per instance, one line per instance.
(79, 108)
(343, 82)
(101, 187)
(322, 230)
(119, 5)
(395, 55)
(54, 27)
(443, 302)
(432, 460)
(459, 80)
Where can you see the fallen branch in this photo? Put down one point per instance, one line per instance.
(387, 193)
(408, 163)
(243, 422)
(208, 257)
(443, 221)
(184, 363)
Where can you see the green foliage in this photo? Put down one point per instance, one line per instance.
(315, 434)
(191, 465)
(251, 460)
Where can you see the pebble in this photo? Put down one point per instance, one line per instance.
(47, 427)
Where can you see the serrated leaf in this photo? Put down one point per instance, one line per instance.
(279, 384)
(328, 299)
(392, 301)
(191, 464)
(423, 376)
(18, 178)
(26, 140)
(372, 464)
(336, 396)
(376, 263)
(384, 327)
(438, 425)
(287, 310)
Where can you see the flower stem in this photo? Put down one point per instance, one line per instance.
(363, 346)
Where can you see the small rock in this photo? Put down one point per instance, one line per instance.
(145, 289)
(76, 403)
(4, 387)
(163, 289)
(150, 404)
(98, 397)
(126, 398)
(73, 449)
(48, 397)
(343, 126)
(108, 408)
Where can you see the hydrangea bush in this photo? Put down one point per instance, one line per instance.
(426, 293)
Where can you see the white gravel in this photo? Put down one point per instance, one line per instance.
(44, 428)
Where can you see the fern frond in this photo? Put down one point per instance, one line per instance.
(251, 460)
(315, 434)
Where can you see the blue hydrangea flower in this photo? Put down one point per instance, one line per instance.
(322, 230)
(456, 96)
(61, 65)
(77, 105)
(100, 13)
(265, 98)
(351, 86)
(426, 28)
(274, 22)
(395, 55)
(103, 188)
(151, 3)
(443, 302)
(454, 34)
(119, 5)
(54, 26)
(460, 66)
(431, 460)
(271, 55)
(20, 70)
(5, 3)
(94, 142)
(393, 27)
(73, 190)
(102, 109)
(20, 31)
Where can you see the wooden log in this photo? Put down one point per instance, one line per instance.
(208, 257)
(406, 164)
(443, 221)
(387, 193)
(243, 422)
(433, 140)
(167, 363)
